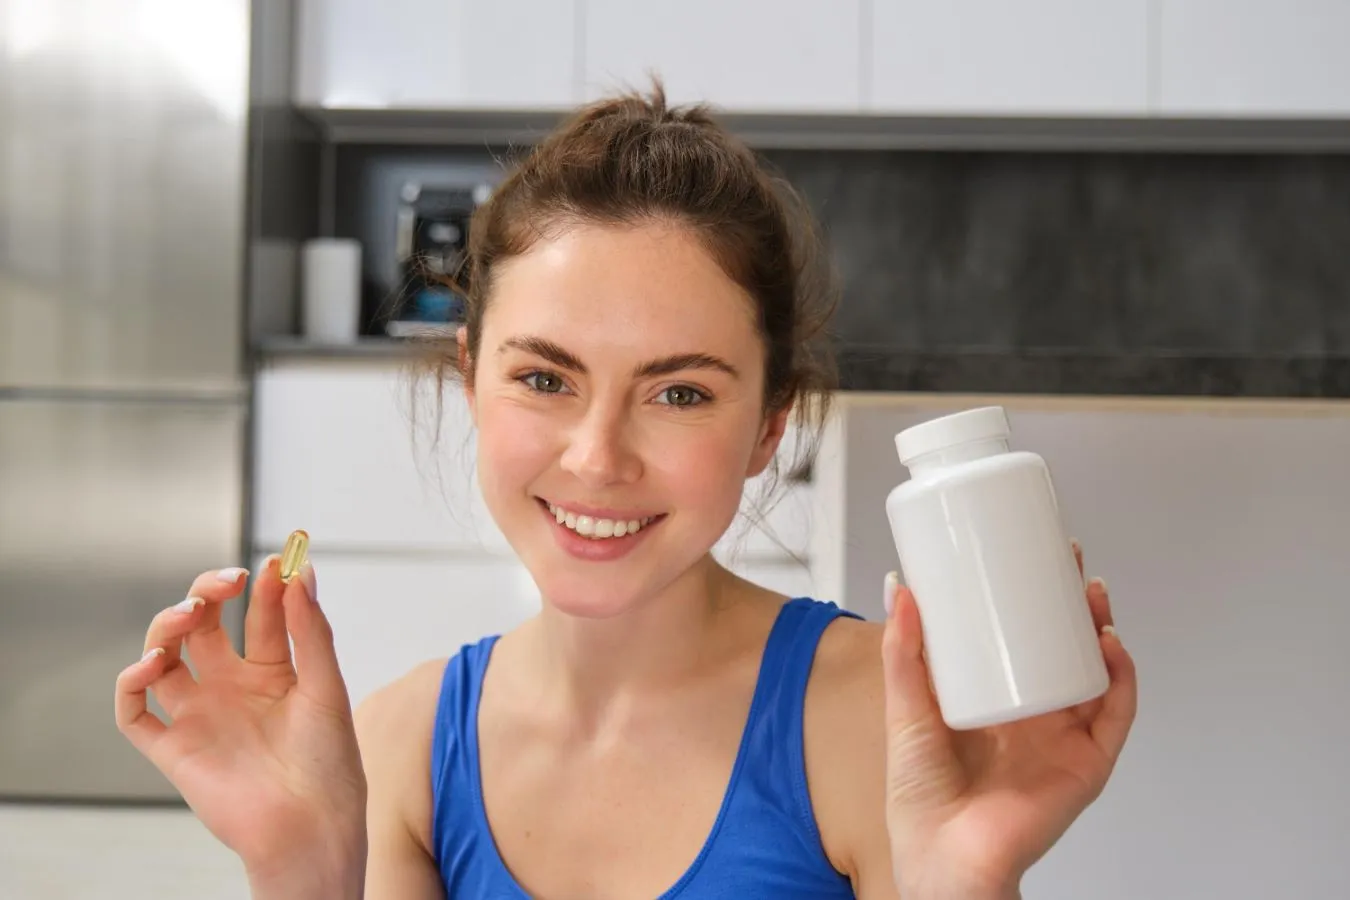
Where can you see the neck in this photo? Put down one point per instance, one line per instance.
(601, 670)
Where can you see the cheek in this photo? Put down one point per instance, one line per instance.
(513, 448)
(704, 468)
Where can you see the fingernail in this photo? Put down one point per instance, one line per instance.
(230, 575)
(1100, 583)
(152, 653)
(188, 605)
(892, 582)
(311, 585)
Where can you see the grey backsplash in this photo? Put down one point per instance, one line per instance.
(1118, 254)
(1138, 272)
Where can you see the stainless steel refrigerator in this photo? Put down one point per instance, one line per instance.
(123, 387)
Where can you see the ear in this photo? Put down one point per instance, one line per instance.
(466, 376)
(770, 435)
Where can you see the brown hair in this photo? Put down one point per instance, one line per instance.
(634, 159)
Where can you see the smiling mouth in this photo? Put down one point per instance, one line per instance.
(598, 528)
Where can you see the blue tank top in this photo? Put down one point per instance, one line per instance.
(764, 842)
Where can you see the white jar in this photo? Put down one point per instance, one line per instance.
(1007, 630)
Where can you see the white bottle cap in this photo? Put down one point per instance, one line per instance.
(983, 424)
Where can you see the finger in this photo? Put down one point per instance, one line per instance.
(316, 664)
(911, 705)
(170, 626)
(208, 643)
(174, 688)
(265, 638)
(134, 719)
(1120, 703)
(1077, 555)
(1099, 601)
(908, 697)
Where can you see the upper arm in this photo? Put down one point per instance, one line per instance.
(393, 727)
(845, 747)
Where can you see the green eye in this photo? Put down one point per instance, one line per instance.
(544, 382)
(683, 395)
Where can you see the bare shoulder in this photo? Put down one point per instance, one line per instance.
(394, 729)
(845, 742)
(847, 670)
(410, 701)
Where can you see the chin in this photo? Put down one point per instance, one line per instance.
(592, 596)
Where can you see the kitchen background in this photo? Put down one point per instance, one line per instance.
(1126, 220)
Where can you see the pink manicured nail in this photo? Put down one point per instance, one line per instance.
(188, 605)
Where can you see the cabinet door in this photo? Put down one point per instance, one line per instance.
(991, 57)
(390, 613)
(743, 55)
(1254, 57)
(339, 454)
(503, 54)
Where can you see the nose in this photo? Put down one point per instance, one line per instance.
(599, 451)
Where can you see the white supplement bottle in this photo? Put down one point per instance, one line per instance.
(1007, 630)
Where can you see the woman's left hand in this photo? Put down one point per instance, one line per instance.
(969, 812)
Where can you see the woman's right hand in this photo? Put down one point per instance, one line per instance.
(263, 747)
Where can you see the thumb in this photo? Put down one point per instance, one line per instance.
(316, 663)
(921, 763)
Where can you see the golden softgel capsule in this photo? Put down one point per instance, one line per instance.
(293, 556)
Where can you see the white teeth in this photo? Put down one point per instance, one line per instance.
(597, 529)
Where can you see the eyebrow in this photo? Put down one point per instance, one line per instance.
(666, 365)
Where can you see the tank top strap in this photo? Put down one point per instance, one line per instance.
(454, 750)
(775, 730)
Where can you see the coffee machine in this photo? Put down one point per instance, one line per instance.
(432, 237)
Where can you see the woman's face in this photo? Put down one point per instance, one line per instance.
(619, 385)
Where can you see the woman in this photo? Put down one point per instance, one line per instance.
(642, 321)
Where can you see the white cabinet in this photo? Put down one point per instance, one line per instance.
(338, 454)
(1254, 57)
(479, 54)
(992, 57)
(983, 58)
(741, 55)
(390, 613)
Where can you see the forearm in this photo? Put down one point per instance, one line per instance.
(313, 877)
(311, 885)
(956, 889)
(959, 894)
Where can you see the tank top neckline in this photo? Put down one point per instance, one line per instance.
(757, 701)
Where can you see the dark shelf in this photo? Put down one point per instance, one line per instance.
(858, 131)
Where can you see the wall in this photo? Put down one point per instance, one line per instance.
(1097, 252)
